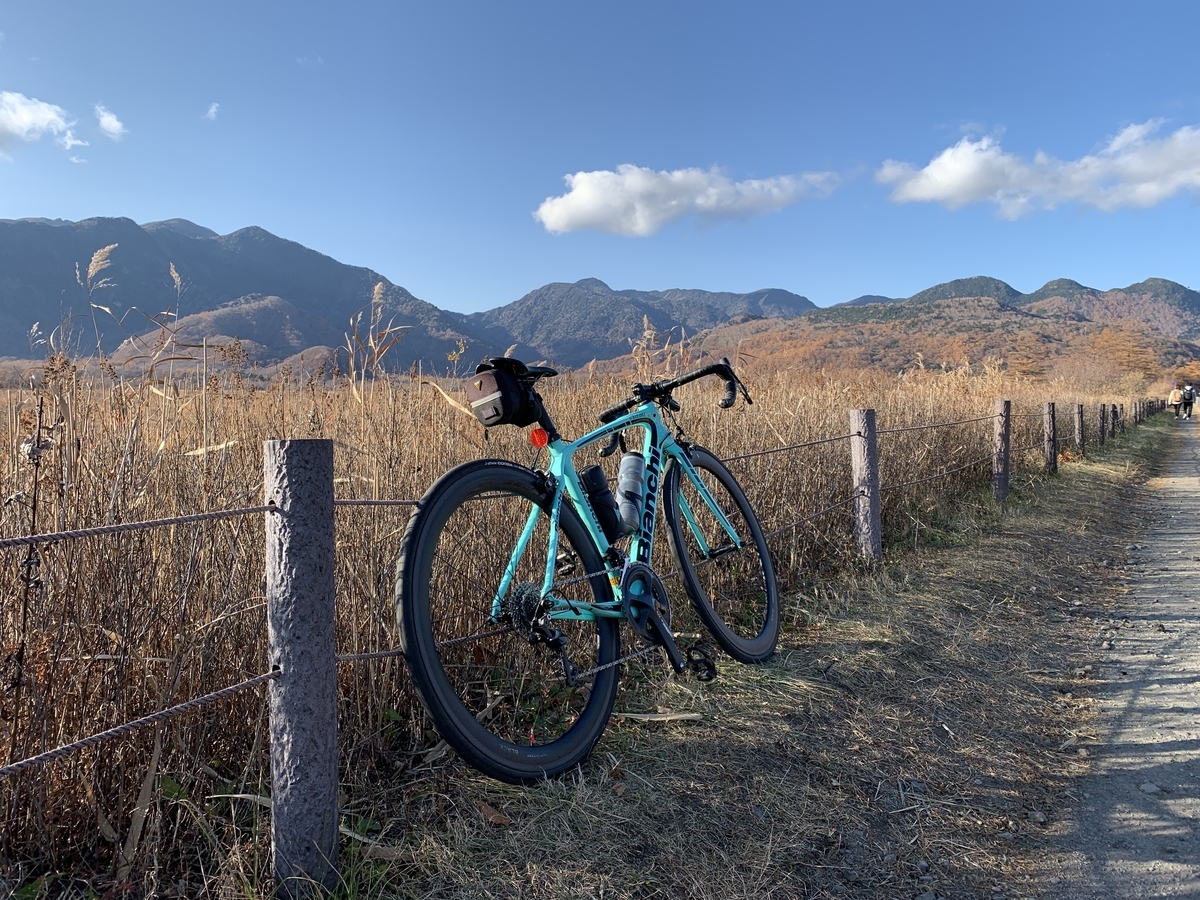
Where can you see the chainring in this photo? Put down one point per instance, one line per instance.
(640, 586)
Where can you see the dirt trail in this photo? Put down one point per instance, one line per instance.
(1135, 831)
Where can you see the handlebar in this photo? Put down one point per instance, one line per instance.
(659, 390)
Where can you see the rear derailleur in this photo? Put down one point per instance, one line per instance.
(529, 613)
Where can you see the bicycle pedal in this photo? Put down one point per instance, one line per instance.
(701, 664)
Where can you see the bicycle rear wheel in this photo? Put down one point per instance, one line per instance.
(732, 589)
(502, 702)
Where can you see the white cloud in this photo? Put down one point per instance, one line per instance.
(1134, 169)
(211, 115)
(68, 140)
(23, 118)
(637, 201)
(76, 159)
(109, 123)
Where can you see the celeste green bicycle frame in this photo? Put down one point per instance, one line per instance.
(658, 447)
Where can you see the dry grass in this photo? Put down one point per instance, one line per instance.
(99, 631)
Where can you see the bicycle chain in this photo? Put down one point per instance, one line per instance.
(575, 676)
(479, 636)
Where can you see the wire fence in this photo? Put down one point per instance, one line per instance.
(773, 450)
(127, 727)
(935, 477)
(930, 425)
(375, 502)
(168, 713)
(55, 536)
(809, 518)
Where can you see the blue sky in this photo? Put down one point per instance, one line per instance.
(830, 149)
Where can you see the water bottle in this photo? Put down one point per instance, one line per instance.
(631, 479)
(595, 484)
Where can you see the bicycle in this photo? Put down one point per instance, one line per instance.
(511, 587)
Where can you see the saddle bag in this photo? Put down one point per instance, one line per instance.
(499, 397)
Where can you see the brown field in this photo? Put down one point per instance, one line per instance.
(98, 631)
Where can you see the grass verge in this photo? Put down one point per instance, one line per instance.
(897, 744)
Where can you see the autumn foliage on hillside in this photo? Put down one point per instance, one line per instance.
(948, 334)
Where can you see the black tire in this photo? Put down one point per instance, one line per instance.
(733, 591)
(500, 701)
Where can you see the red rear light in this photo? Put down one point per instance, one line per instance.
(539, 437)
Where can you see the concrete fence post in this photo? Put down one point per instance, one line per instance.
(1050, 438)
(298, 479)
(1079, 436)
(1101, 424)
(1001, 433)
(864, 463)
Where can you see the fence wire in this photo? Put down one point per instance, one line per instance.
(904, 484)
(376, 654)
(375, 502)
(829, 440)
(935, 425)
(152, 719)
(132, 526)
(824, 512)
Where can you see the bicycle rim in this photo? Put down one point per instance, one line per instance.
(732, 590)
(504, 704)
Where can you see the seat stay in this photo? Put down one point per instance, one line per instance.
(510, 571)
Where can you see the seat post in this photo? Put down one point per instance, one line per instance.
(544, 419)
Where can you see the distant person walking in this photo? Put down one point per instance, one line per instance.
(1175, 398)
(1189, 397)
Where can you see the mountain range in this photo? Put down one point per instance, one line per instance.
(281, 300)
(1064, 328)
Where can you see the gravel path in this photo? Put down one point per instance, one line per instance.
(1136, 829)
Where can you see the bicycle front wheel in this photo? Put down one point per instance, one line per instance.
(729, 578)
(504, 702)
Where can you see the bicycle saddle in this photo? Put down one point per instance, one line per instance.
(516, 368)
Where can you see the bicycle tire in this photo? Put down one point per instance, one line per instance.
(734, 592)
(501, 702)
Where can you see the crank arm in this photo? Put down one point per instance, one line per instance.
(665, 639)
